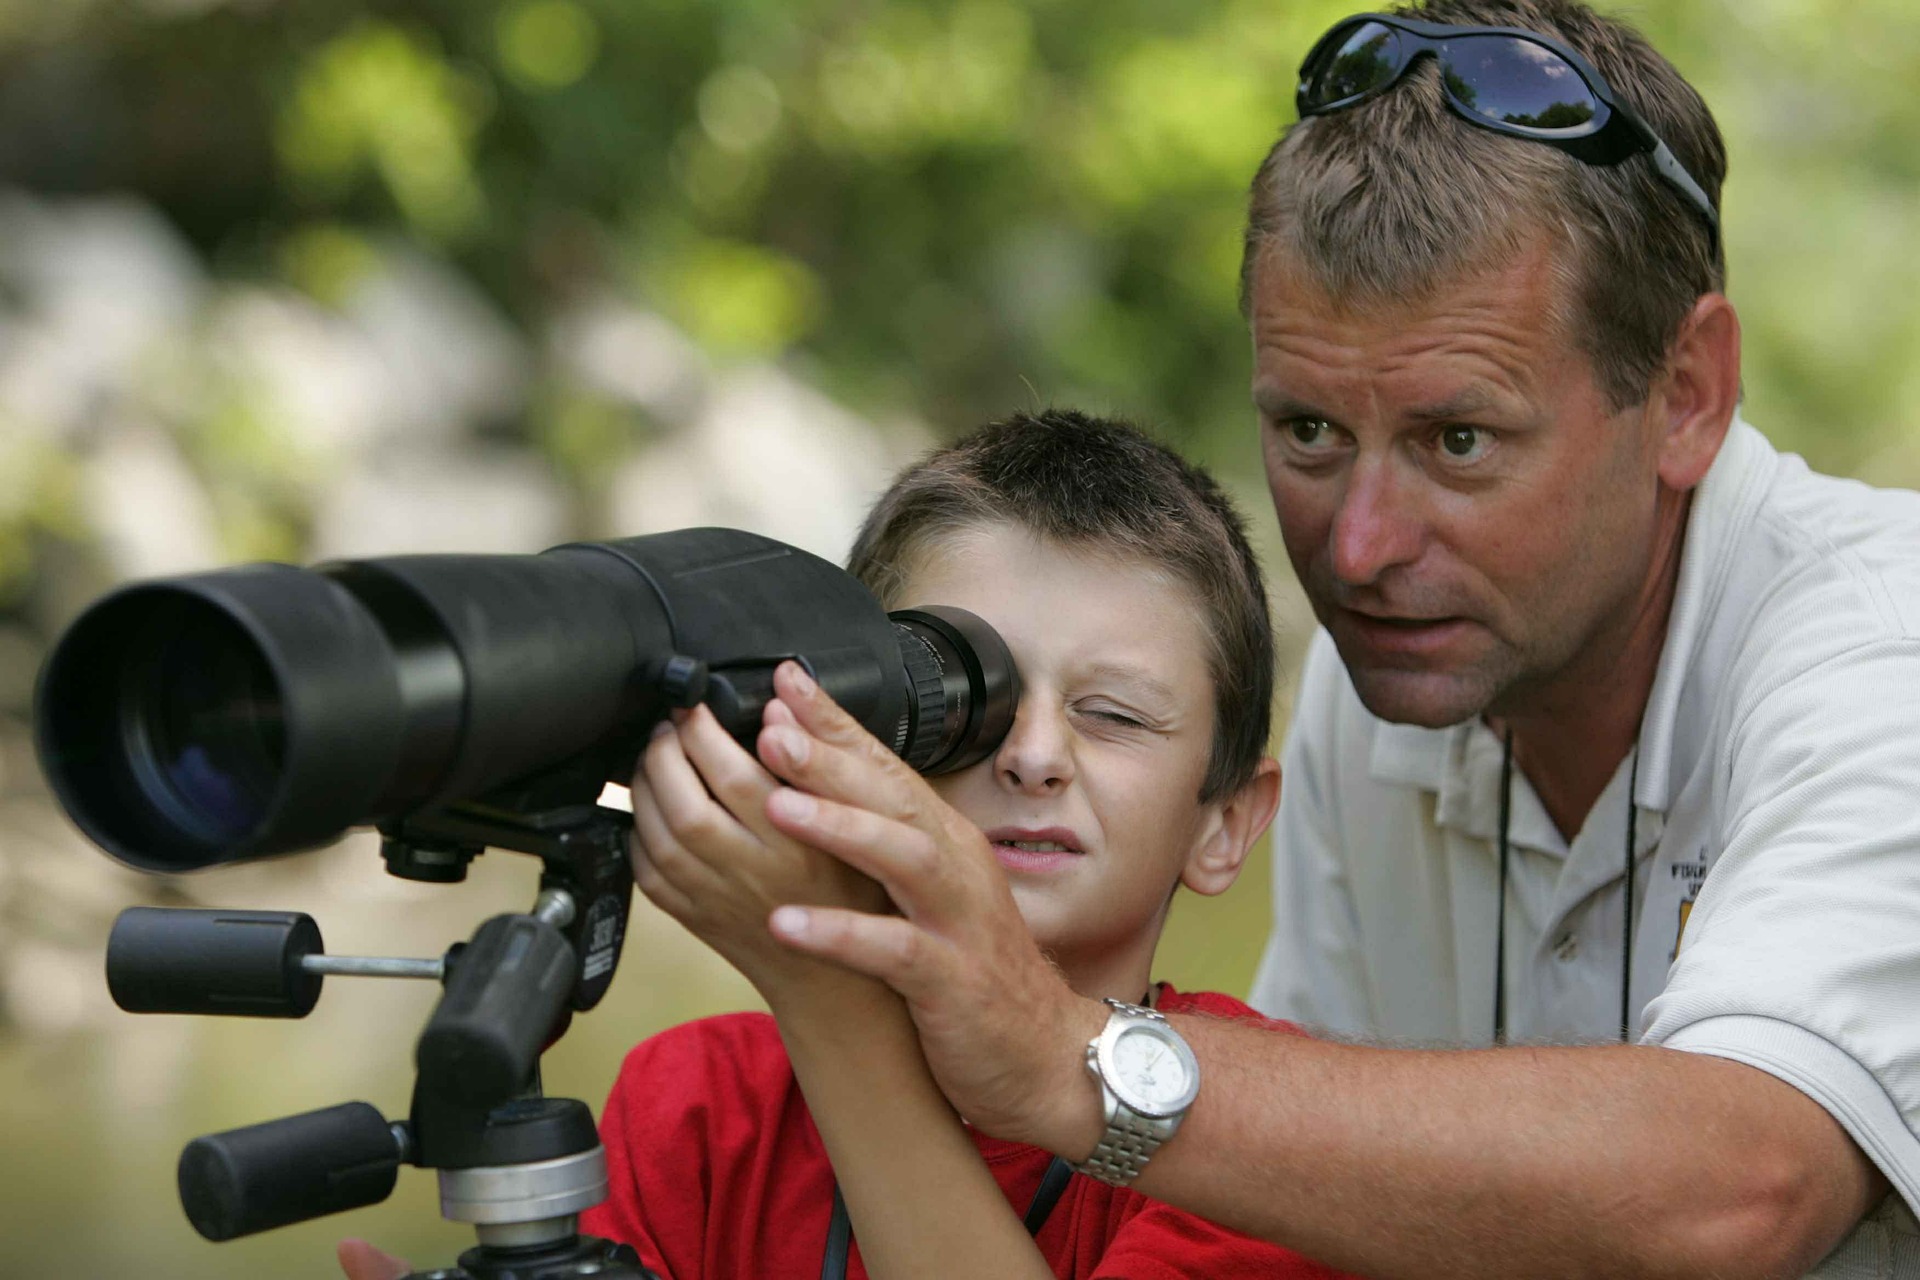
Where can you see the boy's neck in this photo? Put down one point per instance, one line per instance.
(1128, 978)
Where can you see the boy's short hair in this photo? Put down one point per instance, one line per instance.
(1098, 484)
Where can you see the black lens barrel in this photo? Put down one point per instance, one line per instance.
(197, 720)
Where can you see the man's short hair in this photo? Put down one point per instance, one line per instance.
(1097, 484)
(1388, 201)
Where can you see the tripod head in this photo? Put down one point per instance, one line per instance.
(516, 1165)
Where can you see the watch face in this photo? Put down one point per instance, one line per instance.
(1152, 1070)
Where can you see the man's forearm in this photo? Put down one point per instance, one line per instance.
(1603, 1161)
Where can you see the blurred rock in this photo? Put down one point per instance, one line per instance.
(151, 512)
(97, 283)
(768, 453)
(632, 355)
(451, 359)
(322, 381)
(441, 500)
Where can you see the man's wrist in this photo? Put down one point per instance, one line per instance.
(1077, 1119)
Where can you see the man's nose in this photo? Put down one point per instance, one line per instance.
(1379, 525)
(1036, 756)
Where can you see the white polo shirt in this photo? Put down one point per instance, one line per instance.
(1777, 836)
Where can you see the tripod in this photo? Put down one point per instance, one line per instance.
(518, 1166)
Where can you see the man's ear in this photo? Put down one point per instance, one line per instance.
(1694, 399)
(1231, 828)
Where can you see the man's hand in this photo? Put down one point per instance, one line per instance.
(361, 1261)
(1001, 1029)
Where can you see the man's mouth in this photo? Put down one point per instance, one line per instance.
(1402, 635)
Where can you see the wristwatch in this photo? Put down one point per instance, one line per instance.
(1148, 1079)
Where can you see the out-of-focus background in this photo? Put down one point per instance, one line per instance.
(292, 279)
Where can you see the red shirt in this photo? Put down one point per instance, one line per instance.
(718, 1172)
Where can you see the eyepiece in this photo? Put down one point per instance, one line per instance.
(962, 687)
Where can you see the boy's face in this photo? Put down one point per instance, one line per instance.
(1108, 749)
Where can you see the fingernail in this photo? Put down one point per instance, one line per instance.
(662, 729)
(793, 804)
(788, 742)
(802, 682)
(789, 922)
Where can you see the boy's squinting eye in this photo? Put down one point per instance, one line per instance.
(1109, 714)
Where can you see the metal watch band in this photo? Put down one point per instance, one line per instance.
(1124, 1148)
(1131, 1138)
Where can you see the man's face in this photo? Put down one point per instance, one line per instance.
(1469, 520)
(1090, 801)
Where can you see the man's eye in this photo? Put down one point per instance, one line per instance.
(1310, 433)
(1465, 444)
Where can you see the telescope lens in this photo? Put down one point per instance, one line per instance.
(204, 728)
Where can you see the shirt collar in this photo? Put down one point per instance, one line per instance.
(1454, 762)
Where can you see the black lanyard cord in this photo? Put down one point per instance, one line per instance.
(1500, 930)
(1626, 929)
(1627, 871)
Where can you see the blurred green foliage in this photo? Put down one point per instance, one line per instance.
(938, 207)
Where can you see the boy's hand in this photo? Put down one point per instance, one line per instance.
(361, 1261)
(705, 852)
(1002, 1031)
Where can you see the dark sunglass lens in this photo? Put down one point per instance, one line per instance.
(1517, 82)
(1367, 58)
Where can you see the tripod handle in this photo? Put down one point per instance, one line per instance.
(505, 994)
(213, 961)
(306, 1166)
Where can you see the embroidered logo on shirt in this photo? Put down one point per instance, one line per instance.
(1691, 876)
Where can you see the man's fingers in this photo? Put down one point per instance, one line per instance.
(849, 776)
(904, 859)
(361, 1261)
(889, 948)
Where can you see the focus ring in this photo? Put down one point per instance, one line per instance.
(926, 696)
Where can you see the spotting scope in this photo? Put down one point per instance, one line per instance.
(259, 710)
(456, 703)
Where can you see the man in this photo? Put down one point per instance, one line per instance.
(1579, 621)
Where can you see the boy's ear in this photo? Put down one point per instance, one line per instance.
(1233, 825)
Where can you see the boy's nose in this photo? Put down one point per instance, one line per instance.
(1036, 757)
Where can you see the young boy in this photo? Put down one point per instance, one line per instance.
(1121, 579)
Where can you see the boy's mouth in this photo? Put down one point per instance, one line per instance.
(1031, 849)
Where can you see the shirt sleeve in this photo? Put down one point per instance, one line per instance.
(1312, 971)
(1802, 955)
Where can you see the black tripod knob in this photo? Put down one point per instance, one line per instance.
(268, 1175)
(195, 960)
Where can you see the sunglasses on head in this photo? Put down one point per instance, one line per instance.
(1506, 79)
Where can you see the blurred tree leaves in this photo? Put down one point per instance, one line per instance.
(938, 208)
